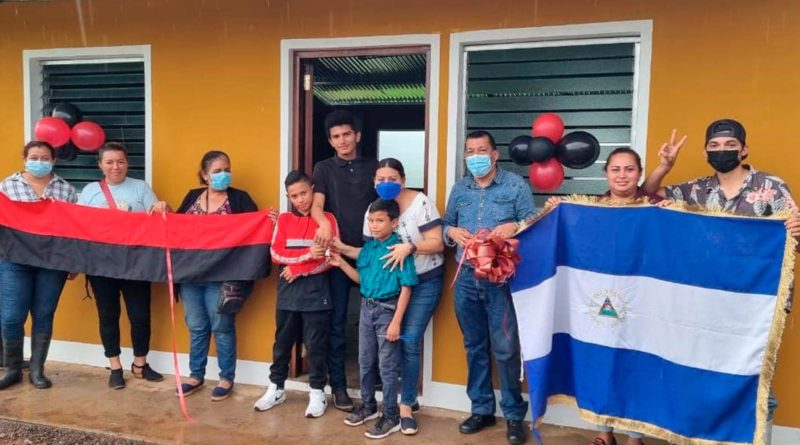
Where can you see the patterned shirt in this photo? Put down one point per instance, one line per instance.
(381, 283)
(18, 189)
(197, 208)
(761, 194)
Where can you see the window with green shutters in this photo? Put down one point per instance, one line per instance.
(111, 94)
(591, 86)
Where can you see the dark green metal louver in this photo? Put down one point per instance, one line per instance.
(589, 86)
(367, 80)
(111, 94)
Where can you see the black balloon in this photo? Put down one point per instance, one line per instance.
(519, 150)
(541, 149)
(66, 152)
(578, 149)
(67, 112)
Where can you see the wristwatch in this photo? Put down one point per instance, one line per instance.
(413, 249)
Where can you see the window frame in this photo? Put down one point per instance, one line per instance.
(33, 60)
(639, 32)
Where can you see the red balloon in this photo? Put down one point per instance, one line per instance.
(546, 176)
(88, 136)
(52, 130)
(548, 125)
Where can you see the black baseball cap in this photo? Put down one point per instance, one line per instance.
(726, 128)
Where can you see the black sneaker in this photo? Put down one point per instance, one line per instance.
(516, 432)
(383, 428)
(342, 400)
(476, 423)
(361, 415)
(408, 426)
(415, 407)
(116, 380)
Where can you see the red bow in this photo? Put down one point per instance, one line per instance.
(494, 259)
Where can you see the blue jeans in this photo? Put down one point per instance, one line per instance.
(486, 316)
(424, 299)
(340, 294)
(376, 352)
(200, 302)
(28, 289)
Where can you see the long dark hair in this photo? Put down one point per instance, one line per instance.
(393, 164)
(207, 160)
(622, 150)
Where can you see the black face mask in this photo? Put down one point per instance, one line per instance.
(724, 161)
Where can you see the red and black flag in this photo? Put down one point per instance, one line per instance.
(117, 244)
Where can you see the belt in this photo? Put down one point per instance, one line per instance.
(390, 303)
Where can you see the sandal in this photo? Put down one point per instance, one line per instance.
(146, 372)
(188, 388)
(221, 393)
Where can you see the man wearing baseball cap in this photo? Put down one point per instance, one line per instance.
(734, 187)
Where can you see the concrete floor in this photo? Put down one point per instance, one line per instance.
(80, 399)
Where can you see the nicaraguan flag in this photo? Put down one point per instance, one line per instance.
(654, 320)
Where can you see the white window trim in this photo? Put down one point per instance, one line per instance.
(32, 61)
(462, 42)
(289, 47)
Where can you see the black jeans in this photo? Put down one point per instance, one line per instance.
(137, 305)
(315, 327)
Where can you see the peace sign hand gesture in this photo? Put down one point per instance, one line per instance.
(669, 150)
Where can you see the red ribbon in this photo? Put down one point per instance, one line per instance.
(495, 259)
(176, 368)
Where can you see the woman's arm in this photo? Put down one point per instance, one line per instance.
(430, 244)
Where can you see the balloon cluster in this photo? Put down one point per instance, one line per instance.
(549, 150)
(63, 128)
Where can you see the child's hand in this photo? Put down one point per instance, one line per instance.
(338, 244)
(335, 259)
(317, 251)
(287, 275)
(393, 332)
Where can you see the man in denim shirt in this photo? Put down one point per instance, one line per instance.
(494, 199)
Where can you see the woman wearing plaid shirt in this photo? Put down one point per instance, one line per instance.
(27, 289)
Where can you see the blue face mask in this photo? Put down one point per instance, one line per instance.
(38, 168)
(388, 190)
(220, 180)
(479, 165)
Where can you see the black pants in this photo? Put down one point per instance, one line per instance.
(315, 328)
(137, 305)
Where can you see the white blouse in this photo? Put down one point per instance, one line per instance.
(421, 215)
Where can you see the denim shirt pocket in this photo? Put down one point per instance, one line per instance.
(504, 209)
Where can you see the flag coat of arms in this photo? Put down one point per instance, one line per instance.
(654, 320)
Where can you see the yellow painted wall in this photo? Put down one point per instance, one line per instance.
(215, 74)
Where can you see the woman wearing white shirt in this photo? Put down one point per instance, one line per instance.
(420, 228)
(131, 195)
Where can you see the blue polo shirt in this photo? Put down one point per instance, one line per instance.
(379, 283)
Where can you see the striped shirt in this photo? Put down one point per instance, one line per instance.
(18, 189)
(379, 283)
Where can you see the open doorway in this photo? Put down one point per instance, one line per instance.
(387, 89)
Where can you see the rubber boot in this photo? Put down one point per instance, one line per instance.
(12, 358)
(40, 344)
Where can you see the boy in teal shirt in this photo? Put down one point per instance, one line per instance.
(385, 293)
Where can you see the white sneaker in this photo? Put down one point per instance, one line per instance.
(273, 396)
(316, 403)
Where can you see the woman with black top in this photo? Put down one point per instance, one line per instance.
(200, 300)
